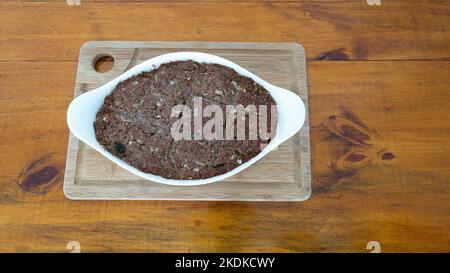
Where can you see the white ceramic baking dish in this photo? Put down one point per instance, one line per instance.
(83, 109)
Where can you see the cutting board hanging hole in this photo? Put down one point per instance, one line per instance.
(103, 63)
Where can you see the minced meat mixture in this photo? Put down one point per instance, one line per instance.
(134, 123)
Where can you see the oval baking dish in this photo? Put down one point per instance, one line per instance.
(82, 112)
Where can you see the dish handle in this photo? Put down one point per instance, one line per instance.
(81, 115)
(291, 113)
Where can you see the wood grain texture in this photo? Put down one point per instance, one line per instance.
(328, 30)
(390, 183)
(283, 175)
(401, 201)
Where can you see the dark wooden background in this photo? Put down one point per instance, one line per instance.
(379, 90)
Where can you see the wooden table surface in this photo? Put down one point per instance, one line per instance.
(379, 94)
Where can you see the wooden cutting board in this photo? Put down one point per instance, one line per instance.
(282, 175)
